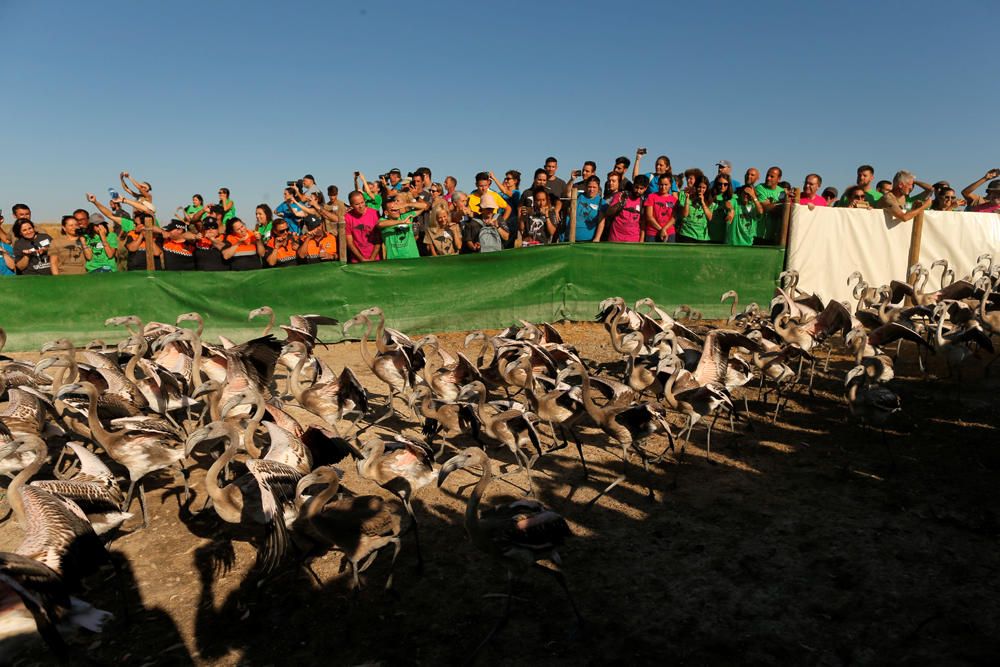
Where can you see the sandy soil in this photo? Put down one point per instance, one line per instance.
(799, 542)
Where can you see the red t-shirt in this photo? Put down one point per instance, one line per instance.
(364, 230)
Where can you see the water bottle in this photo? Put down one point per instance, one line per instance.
(112, 193)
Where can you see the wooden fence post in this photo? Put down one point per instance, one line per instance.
(147, 234)
(786, 218)
(572, 215)
(918, 228)
(342, 240)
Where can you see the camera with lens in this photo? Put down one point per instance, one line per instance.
(298, 184)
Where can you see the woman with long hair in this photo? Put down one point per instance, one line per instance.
(722, 215)
(265, 218)
(243, 247)
(696, 208)
(443, 236)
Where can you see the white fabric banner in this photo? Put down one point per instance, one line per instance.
(959, 238)
(826, 245)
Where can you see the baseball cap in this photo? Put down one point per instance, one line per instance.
(993, 186)
(175, 224)
(724, 163)
(210, 223)
(395, 170)
(830, 191)
(311, 222)
(96, 219)
(488, 201)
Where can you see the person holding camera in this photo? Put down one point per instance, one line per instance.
(290, 210)
(227, 204)
(103, 245)
(31, 250)
(625, 212)
(370, 191)
(69, 252)
(747, 213)
(696, 212)
(283, 247)
(538, 220)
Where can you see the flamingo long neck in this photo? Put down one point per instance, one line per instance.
(132, 363)
(938, 332)
(668, 389)
(589, 404)
(476, 497)
(314, 506)
(616, 341)
(982, 302)
(366, 354)
(375, 452)
(252, 424)
(379, 334)
(103, 437)
(732, 309)
(29, 471)
(862, 344)
(295, 379)
(219, 497)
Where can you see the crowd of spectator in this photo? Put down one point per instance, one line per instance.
(394, 217)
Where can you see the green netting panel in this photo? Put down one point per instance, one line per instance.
(419, 295)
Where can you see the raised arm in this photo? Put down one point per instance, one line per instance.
(639, 152)
(970, 190)
(124, 175)
(500, 186)
(105, 211)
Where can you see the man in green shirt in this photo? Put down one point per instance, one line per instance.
(866, 176)
(397, 227)
(771, 197)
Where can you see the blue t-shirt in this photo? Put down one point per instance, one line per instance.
(9, 249)
(588, 210)
(654, 183)
(285, 212)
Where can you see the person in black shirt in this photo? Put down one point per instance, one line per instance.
(208, 248)
(178, 247)
(31, 250)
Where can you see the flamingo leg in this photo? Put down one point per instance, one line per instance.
(618, 480)
(416, 535)
(499, 624)
(561, 579)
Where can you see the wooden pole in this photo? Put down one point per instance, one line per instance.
(342, 240)
(915, 234)
(572, 215)
(147, 234)
(786, 218)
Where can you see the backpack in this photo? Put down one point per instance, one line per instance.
(489, 239)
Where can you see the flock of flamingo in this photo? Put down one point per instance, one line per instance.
(84, 429)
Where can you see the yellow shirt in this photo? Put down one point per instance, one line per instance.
(474, 200)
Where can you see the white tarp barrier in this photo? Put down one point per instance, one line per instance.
(960, 238)
(826, 245)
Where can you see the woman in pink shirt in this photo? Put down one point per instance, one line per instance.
(659, 212)
(625, 212)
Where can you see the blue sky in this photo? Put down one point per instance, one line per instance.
(194, 96)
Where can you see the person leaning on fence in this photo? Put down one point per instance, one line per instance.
(208, 246)
(68, 251)
(898, 201)
(243, 248)
(856, 197)
(722, 215)
(991, 202)
(178, 247)
(317, 244)
(810, 192)
(944, 198)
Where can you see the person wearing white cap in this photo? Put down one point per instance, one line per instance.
(991, 202)
(726, 167)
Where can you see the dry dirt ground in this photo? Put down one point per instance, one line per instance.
(800, 542)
